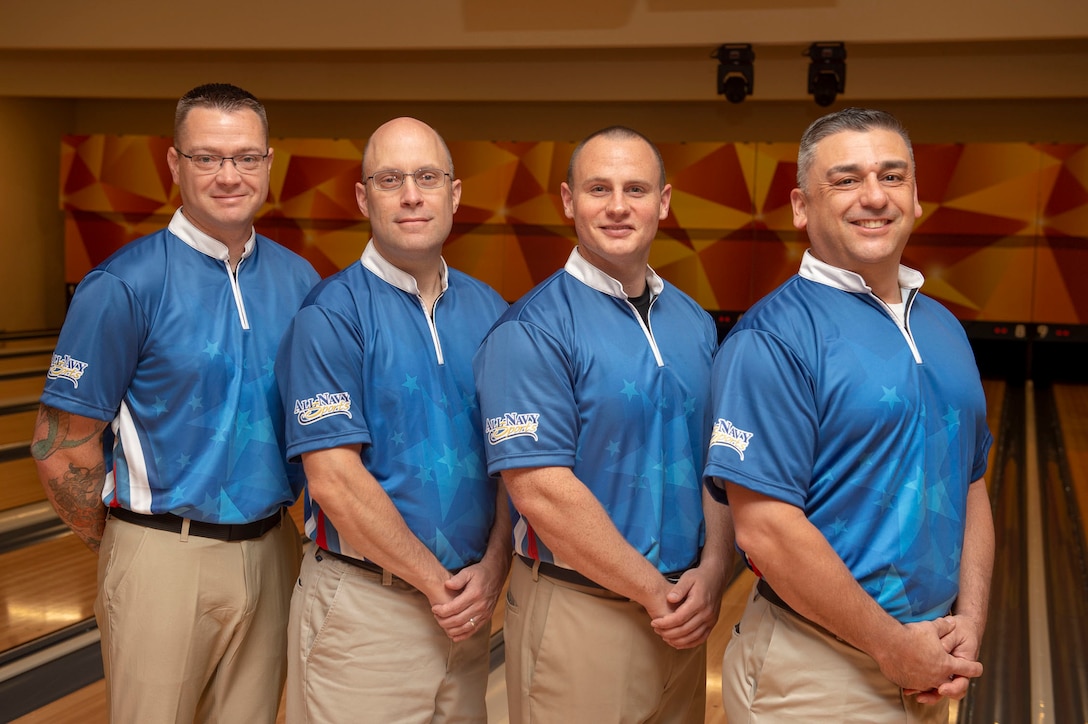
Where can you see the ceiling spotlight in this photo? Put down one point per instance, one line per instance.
(827, 73)
(735, 72)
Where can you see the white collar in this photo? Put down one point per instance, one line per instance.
(823, 273)
(594, 278)
(181, 227)
(373, 260)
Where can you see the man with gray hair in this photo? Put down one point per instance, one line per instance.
(169, 343)
(850, 440)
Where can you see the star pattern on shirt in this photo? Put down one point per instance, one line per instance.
(890, 396)
(411, 383)
(211, 349)
(629, 390)
(241, 424)
(954, 555)
(449, 458)
(886, 499)
(916, 481)
(952, 417)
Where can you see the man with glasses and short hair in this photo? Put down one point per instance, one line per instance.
(170, 343)
(391, 612)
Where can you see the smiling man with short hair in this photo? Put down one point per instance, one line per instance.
(176, 334)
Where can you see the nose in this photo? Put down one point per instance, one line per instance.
(228, 171)
(410, 195)
(872, 192)
(617, 203)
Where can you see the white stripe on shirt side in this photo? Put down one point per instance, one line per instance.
(139, 489)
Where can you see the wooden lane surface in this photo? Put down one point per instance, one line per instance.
(19, 484)
(20, 387)
(1072, 404)
(22, 344)
(995, 405)
(45, 587)
(17, 427)
(24, 363)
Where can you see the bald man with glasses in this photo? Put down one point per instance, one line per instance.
(391, 612)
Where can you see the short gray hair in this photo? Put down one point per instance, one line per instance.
(848, 119)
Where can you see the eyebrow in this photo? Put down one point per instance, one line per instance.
(856, 168)
(207, 151)
(627, 182)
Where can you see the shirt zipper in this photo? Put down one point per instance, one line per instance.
(233, 274)
(646, 329)
(904, 328)
(434, 330)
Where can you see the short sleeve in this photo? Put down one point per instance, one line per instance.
(319, 373)
(97, 350)
(764, 422)
(525, 384)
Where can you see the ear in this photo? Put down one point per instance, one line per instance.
(172, 159)
(360, 197)
(800, 208)
(917, 206)
(271, 156)
(666, 199)
(568, 200)
(455, 193)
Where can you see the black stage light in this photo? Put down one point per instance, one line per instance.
(827, 72)
(735, 71)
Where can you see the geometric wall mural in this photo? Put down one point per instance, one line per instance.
(1003, 236)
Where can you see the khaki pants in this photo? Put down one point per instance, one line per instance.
(194, 630)
(359, 651)
(574, 655)
(781, 668)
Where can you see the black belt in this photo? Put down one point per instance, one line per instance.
(567, 575)
(365, 565)
(218, 531)
(768, 593)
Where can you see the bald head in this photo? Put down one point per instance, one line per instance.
(398, 132)
(409, 222)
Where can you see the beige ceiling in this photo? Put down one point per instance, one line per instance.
(545, 50)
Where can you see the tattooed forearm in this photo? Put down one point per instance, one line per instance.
(52, 429)
(77, 498)
(68, 452)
